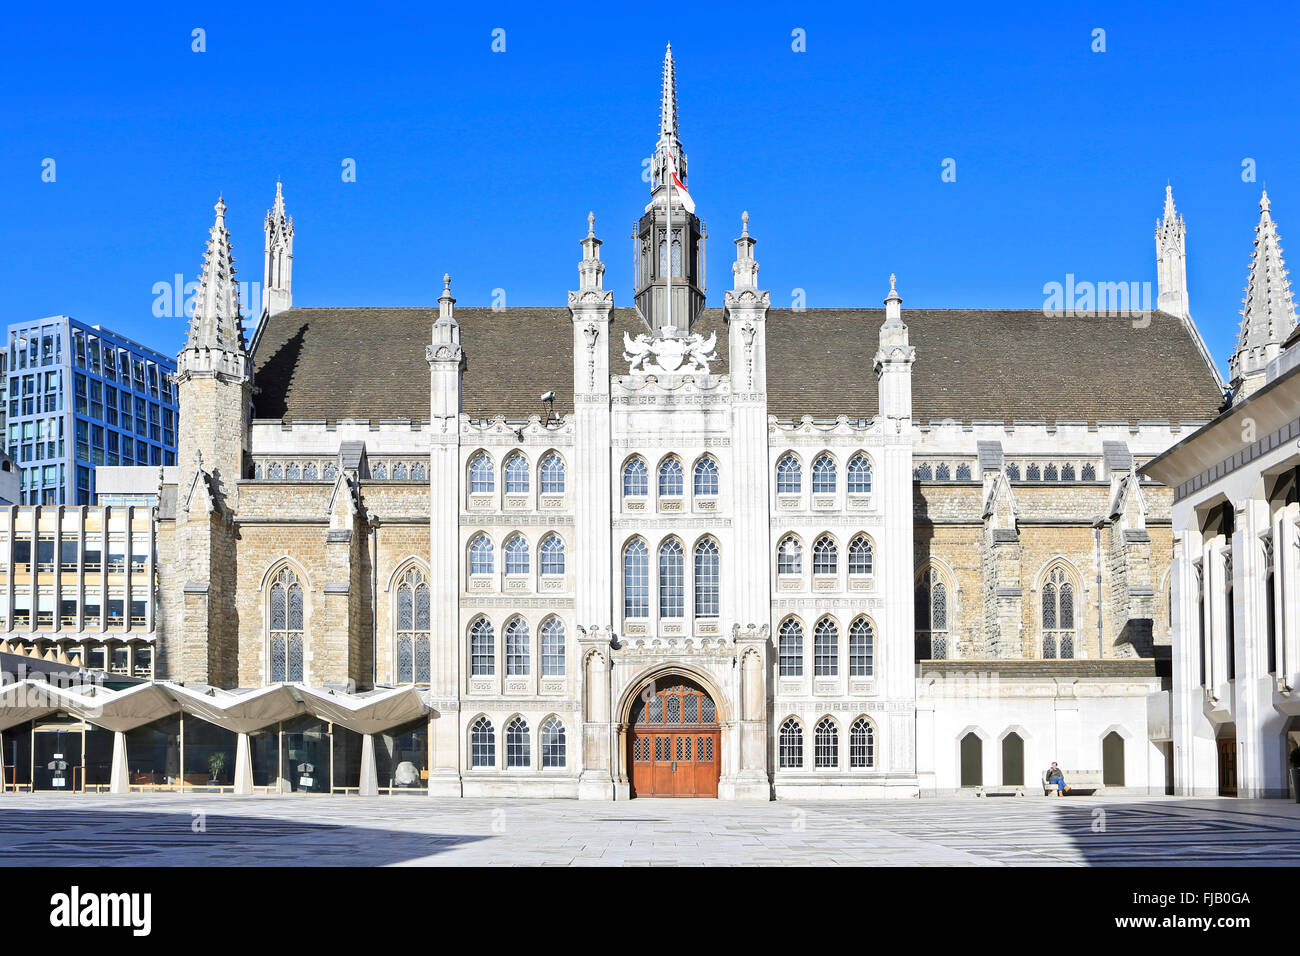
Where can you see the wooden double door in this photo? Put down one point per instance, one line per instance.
(1227, 766)
(675, 746)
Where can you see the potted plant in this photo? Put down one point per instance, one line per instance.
(1295, 773)
(216, 763)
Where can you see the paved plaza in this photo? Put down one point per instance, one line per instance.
(193, 830)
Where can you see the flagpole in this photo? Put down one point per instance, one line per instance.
(668, 246)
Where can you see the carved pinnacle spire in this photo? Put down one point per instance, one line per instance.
(216, 323)
(1268, 314)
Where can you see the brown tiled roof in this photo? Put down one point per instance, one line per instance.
(971, 364)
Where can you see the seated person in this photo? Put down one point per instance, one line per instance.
(1054, 775)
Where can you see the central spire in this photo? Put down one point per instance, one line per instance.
(670, 143)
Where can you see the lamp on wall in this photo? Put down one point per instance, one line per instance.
(548, 399)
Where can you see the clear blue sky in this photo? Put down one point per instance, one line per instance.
(485, 164)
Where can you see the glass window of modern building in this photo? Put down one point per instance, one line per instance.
(77, 397)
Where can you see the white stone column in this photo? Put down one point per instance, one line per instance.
(243, 765)
(369, 783)
(120, 776)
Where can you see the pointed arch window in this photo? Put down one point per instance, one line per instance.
(823, 475)
(861, 555)
(481, 555)
(482, 649)
(1050, 473)
(516, 474)
(942, 472)
(292, 472)
(789, 476)
(825, 555)
(931, 616)
(859, 475)
(551, 474)
(1013, 471)
(791, 744)
(826, 753)
(1089, 472)
(862, 744)
(482, 744)
(925, 472)
(553, 743)
(518, 648)
(516, 554)
(1033, 474)
(963, 472)
(550, 555)
(706, 477)
(1058, 615)
(399, 471)
(636, 579)
(636, 481)
(677, 256)
(286, 618)
(379, 472)
(482, 477)
(789, 556)
(862, 649)
(672, 579)
(670, 478)
(790, 649)
(417, 472)
(331, 472)
(707, 578)
(413, 629)
(552, 637)
(310, 472)
(1067, 472)
(517, 743)
(826, 649)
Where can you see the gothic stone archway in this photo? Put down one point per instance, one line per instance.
(674, 740)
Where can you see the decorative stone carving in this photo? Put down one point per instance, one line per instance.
(669, 354)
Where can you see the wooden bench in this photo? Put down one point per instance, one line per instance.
(1079, 782)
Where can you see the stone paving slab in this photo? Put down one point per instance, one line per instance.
(214, 830)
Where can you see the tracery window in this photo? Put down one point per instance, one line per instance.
(931, 616)
(789, 476)
(379, 472)
(791, 744)
(517, 648)
(417, 472)
(826, 649)
(551, 474)
(331, 472)
(789, 556)
(861, 556)
(1067, 472)
(636, 481)
(1013, 471)
(823, 475)
(862, 744)
(286, 618)
(550, 554)
(1050, 473)
(412, 629)
(553, 744)
(516, 474)
(481, 555)
(482, 649)
(516, 551)
(636, 579)
(859, 475)
(862, 646)
(672, 579)
(670, 478)
(942, 472)
(1089, 472)
(399, 471)
(706, 477)
(707, 578)
(1033, 474)
(517, 743)
(552, 636)
(310, 472)
(1058, 615)
(826, 751)
(482, 477)
(924, 472)
(292, 472)
(482, 744)
(790, 649)
(963, 472)
(825, 555)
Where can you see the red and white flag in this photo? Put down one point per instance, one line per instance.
(682, 194)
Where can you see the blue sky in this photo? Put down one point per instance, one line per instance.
(485, 164)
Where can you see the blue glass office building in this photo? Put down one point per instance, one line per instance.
(80, 396)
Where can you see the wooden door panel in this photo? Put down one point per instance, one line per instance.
(675, 741)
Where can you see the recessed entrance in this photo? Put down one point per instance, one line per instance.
(675, 741)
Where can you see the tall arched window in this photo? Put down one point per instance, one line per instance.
(790, 649)
(636, 579)
(552, 636)
(672, 579)
(480, 555)
(823, 475)
(931, 616)
(789, 476)
(636, 482)
(482, 649)
(860, 555)
(482, 744)
(670, 478)
(859, 475)
(516, 554)
(826, 649)
(825, 555)
(706, 477)
(706, 578)
(862, 744)
(412, 628)
(553, 744)
(791, 744)
(517, 744)
(518, 649)
(862, 649)
(826, 753)
(1058, 615)
(550, 554)
(517, 474)
(789, 556)
(551, 474)
(482, 477)
(286, 620)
